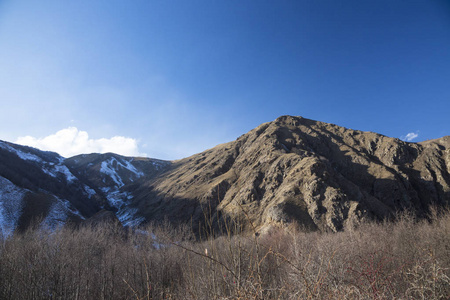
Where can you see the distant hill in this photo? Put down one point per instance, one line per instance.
(319, 175)
(45, 187)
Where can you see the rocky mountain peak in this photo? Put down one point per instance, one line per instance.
(318, 174)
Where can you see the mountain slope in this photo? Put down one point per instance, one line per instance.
(39, 185)
(115, 177)
(292, 169)
(321, 175)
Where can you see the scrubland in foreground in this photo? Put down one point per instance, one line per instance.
(406, 259)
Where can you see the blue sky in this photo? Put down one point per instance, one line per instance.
(172, 78)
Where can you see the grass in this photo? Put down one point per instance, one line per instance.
(406, 259)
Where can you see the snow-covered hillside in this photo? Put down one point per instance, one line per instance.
(121, 171)
(53, 167)
(11, 198)
(52, 191)
(45, 185)
(116, 177)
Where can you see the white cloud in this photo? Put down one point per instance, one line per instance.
(410, 136)
(71, 141)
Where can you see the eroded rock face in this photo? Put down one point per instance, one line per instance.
(293, 169)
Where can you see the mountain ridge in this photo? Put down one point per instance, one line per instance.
(293, 169)
(256, 162)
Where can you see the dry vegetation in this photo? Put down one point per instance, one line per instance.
(408, 259)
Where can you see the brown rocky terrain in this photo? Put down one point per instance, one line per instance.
(294, 169)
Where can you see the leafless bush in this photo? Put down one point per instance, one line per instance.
(406, 259)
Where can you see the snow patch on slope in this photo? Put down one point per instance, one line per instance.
(58, 214)
(21, 154)
(64, 170)
(116, 198)
(132, 168)
(48, 168)
(111, 166)
(120, 199)
(11, 198)
(53, 171)
(90, 192)
(126, 215)
(108, 169)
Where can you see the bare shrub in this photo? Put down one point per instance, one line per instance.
(406, 259)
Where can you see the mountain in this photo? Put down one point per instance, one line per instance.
(320, 175)
(43, 186)
(115, 177)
